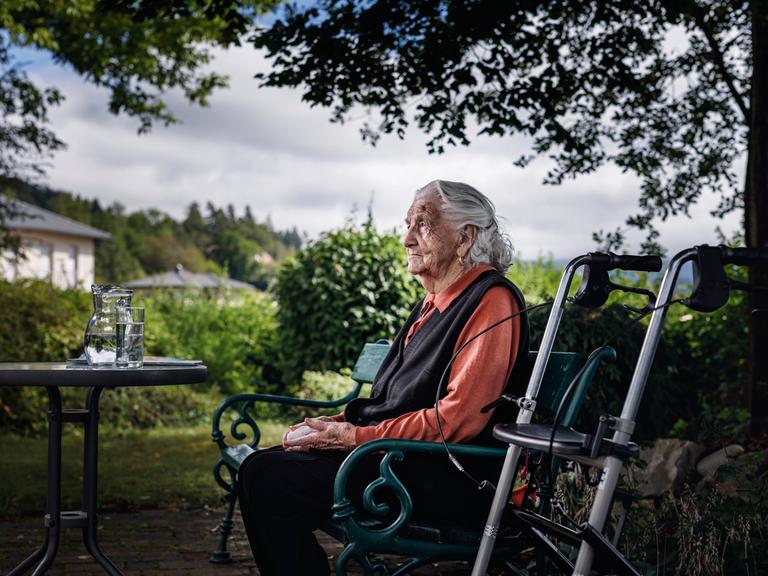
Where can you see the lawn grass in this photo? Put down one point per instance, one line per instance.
(159, 468)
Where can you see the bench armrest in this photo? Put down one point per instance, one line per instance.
(367, 365)
(245, 406)
(356, 522)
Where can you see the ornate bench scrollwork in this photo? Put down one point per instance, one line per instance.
(245, 430)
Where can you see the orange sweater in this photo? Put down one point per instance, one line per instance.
(478, 375)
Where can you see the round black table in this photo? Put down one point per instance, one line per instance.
(52, 376)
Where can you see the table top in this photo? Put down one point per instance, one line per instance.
(68, 374)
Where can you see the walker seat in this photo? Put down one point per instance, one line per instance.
(567, 441)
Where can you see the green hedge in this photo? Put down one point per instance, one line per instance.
(234, 334)
(349, 287)
(40, 324)
(711, 367)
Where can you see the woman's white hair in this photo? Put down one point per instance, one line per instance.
(463, 205)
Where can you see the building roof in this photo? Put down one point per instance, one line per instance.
(181, 278)
(25, 216)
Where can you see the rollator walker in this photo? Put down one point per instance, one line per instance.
(710, 291)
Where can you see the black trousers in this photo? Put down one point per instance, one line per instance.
(285, 496)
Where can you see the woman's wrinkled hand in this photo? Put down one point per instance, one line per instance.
(321, 433)
(293, 427)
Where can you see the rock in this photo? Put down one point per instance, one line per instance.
(741, 480)
(668, 463)
(712, 462)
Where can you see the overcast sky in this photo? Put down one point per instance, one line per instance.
(265, 148)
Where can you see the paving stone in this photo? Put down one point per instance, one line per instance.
(157, 543)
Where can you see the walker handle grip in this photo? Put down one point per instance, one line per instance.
(744, 256)
(637, 262)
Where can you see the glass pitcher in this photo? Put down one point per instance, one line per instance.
(101, 340)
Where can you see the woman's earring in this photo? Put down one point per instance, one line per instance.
(461, 260)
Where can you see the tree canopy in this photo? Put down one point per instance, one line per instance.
(589, 82)
(150, 241)
(137, 51)
(673, 91)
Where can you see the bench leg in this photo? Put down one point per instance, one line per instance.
(368, 567)
(343, 558)
(221, 554)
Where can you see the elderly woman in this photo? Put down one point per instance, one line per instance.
(456, 250)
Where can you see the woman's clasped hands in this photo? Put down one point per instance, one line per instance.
(322, 433)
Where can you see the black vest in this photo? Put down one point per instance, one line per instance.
(409, 376)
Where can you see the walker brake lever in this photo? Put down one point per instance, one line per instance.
(643, 292)
(596, 285)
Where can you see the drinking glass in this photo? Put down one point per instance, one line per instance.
(130, 337)
(100, 334)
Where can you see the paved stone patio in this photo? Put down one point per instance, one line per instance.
(154, 542)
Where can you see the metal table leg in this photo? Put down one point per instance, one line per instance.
(90, 476)
(55, 519)
(47, 552)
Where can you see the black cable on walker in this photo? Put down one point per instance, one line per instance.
(484, 484)
(577, 377)
(594, 291)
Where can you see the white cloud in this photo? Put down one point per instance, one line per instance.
(267, 149)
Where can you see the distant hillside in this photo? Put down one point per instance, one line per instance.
(148, 241)
(684, 279)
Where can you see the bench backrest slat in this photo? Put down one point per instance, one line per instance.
(369, 361)
(562, 368)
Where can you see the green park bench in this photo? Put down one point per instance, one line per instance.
(364, 530)
(233, 455)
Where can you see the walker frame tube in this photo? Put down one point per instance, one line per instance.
(612, 465)
(524, 416)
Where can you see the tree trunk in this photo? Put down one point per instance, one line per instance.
(756, 220)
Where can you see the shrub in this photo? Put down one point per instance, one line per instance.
(163, 406)
(326, 385)
(714, 368)
(538, 280)
(348, 287)
(234, 335)
(236, 338)
(316, 385)
(40, 323)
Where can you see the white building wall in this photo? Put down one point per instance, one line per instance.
(68, 261)
(7, 266)
(86, 264)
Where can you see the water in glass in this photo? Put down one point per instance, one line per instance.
(100, 341)
(130, 338)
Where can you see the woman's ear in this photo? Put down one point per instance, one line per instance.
(468, 235)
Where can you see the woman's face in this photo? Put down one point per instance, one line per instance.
(430, 240)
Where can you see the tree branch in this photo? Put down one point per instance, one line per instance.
(718, 58)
